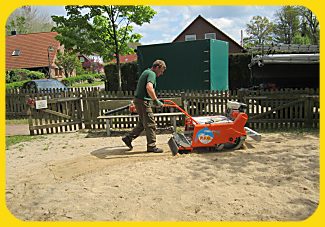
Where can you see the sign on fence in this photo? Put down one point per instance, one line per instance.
(41, 104)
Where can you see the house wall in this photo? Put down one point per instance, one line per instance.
(200, 28)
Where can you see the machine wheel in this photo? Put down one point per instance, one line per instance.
(239, 141)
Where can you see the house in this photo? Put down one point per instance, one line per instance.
(92, 63)
(35, 52)
(127, 58)
(200, 28)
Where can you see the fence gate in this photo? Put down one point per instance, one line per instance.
(54, 113)
(295, 111)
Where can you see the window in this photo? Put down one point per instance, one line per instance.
(16, 52)
(190, 37)
(210, 35)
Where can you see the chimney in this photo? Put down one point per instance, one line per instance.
(13, 32)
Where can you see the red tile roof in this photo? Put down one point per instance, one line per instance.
(33, 50)
(127, 58)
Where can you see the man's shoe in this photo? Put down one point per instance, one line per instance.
(127, 142)
(155, 150)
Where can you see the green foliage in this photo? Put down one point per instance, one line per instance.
(105, 30)
(27, 19)
(17, 24)
(16, 84)
(17, 75)
(81, 78)
(130, 75)
(309, 25)
(23, 121)
(299, 39)
(90, 80)
(260, 31)
(292, 25)
(12, 140)
(287, 24)
(80, 70)
(68, 61)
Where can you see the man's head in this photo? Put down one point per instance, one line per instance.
(159, 66)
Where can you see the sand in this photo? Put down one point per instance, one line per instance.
(84, 176)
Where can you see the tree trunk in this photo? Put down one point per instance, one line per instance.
(119, 73)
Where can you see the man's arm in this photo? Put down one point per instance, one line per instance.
(151, 91)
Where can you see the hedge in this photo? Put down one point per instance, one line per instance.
(18, 84)
(239, 73)
(90, 78)
(17, 75)
(129, 78)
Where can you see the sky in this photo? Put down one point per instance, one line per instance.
(170, 21)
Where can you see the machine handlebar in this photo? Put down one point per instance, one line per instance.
(170, 103)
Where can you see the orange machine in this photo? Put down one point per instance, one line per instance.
(213, 132)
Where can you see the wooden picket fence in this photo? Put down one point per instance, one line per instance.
(76, 109)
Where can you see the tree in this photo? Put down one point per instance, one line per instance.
(288, 24)
(27, 19)
(17, 24)
(260, 31)
(105, 30)
(68, 61)
(309, 25)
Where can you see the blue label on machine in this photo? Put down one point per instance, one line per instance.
(205, 136)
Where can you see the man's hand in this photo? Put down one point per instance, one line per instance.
(158, 103)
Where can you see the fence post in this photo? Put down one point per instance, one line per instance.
(241, 95)
(29, 114)
(86, 110)
(308, 112)
(184, 100)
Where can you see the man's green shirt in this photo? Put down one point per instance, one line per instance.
(147, 76)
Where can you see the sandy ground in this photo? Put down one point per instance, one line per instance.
(85, 177)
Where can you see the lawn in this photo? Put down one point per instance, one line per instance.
(12, 140)
(94, 84)
(17, 122)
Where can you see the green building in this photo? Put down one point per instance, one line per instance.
(191, 65)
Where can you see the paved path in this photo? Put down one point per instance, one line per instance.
(21, 129)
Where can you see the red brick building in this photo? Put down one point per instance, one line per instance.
(200, 28)
(35, 52)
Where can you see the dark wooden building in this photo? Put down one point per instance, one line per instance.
(200, 28)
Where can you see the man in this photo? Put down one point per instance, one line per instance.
(144, 93)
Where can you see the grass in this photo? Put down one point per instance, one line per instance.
(12, 140)
(96, 83)
(17, 122)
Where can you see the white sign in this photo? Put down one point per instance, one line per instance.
(41, 104)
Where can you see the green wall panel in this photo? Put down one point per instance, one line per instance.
(219, 65)
(188, 63)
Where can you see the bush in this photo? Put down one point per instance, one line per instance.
(34, 75)
(129, 78)
(90, 78)
(17, 75)
(18, 84)
(239, 74)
